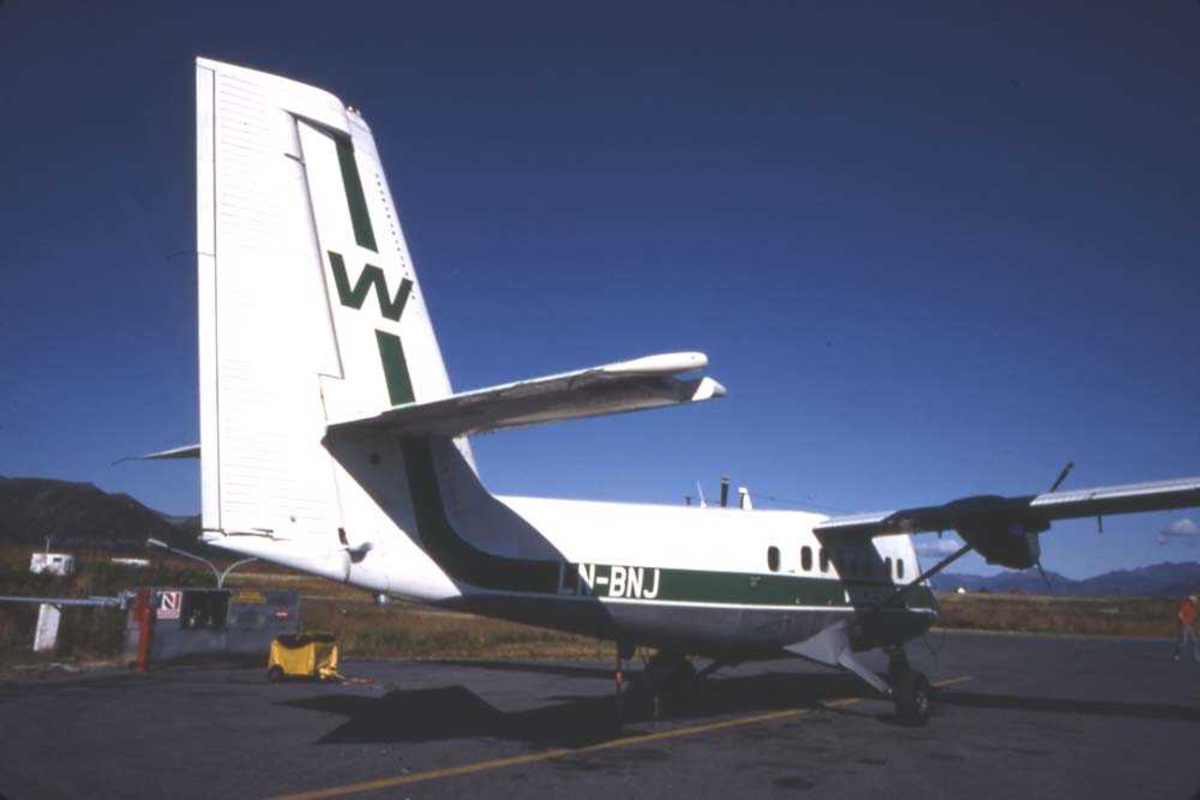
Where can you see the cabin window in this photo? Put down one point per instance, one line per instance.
(824, 560)
(806, 558)
(899, 569)
(887, 568)
(773, 559)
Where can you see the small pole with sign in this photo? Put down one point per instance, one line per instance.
(144, 611)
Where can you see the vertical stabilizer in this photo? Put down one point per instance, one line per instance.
(310, 311)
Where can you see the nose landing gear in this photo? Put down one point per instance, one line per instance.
(911, 690)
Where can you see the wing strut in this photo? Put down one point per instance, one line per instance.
(926, 575)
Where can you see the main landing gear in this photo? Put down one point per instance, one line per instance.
(671, 681)
(666, 685)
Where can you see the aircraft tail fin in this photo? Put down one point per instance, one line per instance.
(309, 306)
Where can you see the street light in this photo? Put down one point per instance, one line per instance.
(221, 576)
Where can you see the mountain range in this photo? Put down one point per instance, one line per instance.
(1159, 580)
(79, 515)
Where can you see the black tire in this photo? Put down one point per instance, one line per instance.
(670, 679)
(914, 699)
(275, 674)
(665, 669)
(897, 666)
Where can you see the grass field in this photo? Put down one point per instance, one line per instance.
(399, 630)
(1105, 616)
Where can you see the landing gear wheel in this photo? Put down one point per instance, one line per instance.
(913, 698)
(671, 679)
(275, 674)
(897, 666)
(668, 669)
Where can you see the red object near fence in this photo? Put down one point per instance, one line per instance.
(145, 617)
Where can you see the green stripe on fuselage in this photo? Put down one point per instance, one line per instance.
(459, 559)
(470, 565)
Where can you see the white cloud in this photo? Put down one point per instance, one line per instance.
(1185, 529)
(938, 548)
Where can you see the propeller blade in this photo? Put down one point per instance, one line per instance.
(1062, 476)
(1046, 578)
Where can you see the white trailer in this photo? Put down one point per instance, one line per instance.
(53, 563)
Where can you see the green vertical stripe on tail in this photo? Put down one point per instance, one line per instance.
(359, 218)
(395, 368)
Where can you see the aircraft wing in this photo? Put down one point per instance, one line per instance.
(1004, 529)
(643, 383)
(1099, 502)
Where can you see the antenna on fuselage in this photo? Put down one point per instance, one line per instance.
(724, 491)
(700, 494)
(744, 502)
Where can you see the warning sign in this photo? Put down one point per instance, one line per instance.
(169, 605)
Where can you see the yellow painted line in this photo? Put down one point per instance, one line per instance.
(951, 682)
(560, 752)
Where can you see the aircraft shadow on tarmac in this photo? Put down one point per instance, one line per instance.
(561, 670)
(456, 712)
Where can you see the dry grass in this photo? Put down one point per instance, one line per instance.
(308, 586)
(1106, 616)
(401, 631)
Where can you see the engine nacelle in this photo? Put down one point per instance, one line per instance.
(1014, 545)
(1000, 529)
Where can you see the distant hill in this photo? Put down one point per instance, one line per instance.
(1159, 580)
(80, 515)
(1029, 581)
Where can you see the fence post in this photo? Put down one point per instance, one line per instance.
(45, 636)
(144, 610)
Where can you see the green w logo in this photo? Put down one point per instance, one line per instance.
(355, 296)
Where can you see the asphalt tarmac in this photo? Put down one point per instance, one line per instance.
(1017, 716)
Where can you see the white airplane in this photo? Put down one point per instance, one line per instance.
(334, 444)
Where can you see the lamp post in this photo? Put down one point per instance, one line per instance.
(220, 576)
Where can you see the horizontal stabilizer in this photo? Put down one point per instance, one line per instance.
(643, 383)
(187, 451)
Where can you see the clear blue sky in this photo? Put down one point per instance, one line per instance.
(932, 249)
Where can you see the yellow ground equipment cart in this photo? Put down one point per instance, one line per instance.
(304, 655)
